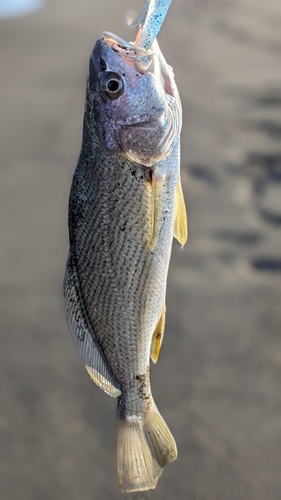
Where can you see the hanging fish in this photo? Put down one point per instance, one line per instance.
(125, 206)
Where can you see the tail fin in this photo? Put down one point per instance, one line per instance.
(144, 446)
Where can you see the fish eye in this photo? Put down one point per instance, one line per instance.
(112, 85)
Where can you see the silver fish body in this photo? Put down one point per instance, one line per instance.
(122, 212)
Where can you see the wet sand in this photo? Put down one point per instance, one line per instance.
(218, 380)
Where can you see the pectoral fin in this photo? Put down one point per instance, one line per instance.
(158, 337)
(157, 187)
(180, 224)
(83, 335)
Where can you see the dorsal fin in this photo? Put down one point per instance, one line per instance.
(83, 335)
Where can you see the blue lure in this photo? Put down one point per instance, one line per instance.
(150, 22)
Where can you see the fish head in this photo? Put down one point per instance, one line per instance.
(135, 110)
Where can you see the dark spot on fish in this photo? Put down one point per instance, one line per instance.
(143, 385)
(92, 75)
(133, 172)
(102, 64)
(124, 74)
(122, 229)
(147, 175)
(151, 253)
(158, 335)
(81, 336)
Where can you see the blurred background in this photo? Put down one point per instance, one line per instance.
(218, 380)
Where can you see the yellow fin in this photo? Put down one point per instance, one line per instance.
(158, 337)
(180, 224)
(156, 186)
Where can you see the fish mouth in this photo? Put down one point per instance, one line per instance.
(137, 57)
(144, 124)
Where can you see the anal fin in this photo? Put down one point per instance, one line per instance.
(180, 224)
(103, 382)
(83, 335)
(158, 337)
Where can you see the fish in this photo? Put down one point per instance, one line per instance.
(126, 204)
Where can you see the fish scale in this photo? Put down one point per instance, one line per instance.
(109, 291)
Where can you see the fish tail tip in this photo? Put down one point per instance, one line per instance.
(144, 446)
(136, 467)
(159, 437)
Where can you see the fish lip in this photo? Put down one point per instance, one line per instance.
(110, 39)
(158, 119)
(137, 57)
(145, 123)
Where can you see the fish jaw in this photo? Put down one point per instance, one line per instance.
(137, 57)
(141, 122)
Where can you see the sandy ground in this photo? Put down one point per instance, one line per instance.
(218, 380)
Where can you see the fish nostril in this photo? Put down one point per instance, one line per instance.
(102, 64)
